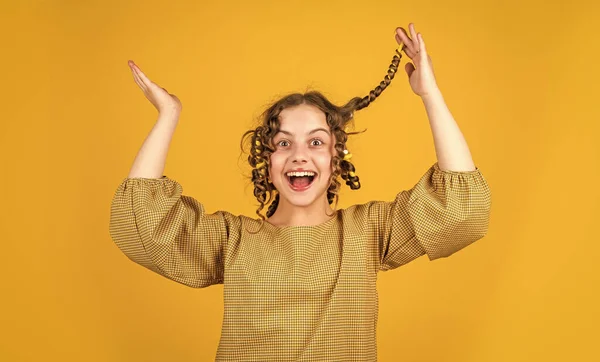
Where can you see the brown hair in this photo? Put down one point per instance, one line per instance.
(337, 119)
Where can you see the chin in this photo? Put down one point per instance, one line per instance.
(301, 201)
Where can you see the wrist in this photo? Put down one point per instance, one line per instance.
(171, 115)
(433, 95)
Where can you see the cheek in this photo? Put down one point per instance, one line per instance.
(276, 164)
(325, 164)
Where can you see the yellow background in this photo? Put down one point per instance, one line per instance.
(520, 77)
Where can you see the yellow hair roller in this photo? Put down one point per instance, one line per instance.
(399, 50)
(347, 155)
(260, 164)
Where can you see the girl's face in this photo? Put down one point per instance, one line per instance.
(303, 143)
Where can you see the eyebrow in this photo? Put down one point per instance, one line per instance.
(311, 132)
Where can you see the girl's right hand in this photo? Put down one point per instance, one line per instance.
(162, 100)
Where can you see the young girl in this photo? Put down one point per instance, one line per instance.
(300, 285)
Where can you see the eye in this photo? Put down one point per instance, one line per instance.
(284, 143)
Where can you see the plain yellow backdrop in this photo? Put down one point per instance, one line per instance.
(520, 77)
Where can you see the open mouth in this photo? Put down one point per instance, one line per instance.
(300, 183)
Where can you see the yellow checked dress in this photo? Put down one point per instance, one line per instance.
(298, 293)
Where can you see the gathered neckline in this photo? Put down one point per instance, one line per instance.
(301, 227)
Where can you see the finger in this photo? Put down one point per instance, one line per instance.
(397, 36)
(411, 42)
(422, 43)
(405, 48)
(413, 33)
(405, 38)
(134, 72)
(142, 75)
(148, 84)
(400, 42)
(138, 80)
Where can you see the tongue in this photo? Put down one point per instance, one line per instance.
(300, 181)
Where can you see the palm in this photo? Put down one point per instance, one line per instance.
(160, 98)
(420, 74)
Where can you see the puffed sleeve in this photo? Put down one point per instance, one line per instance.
(157, 227)
(443, 213)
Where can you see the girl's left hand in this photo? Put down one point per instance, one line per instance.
(420, 74)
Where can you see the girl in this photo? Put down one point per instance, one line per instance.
(300, 284)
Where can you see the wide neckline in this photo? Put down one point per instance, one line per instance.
(324, 224)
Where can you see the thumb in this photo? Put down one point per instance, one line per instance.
(409, 68)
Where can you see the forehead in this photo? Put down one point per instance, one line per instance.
(302, 119)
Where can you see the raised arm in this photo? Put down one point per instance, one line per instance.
(449, 207)
(151, 158)
(450, 146)
(153, 223)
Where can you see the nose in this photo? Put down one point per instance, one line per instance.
(299, 155)
(299, 159)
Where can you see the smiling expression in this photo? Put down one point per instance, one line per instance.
(304, 142)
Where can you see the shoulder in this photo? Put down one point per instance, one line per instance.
(364, 209)
(364, 214)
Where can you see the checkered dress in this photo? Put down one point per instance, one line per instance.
(297, 293)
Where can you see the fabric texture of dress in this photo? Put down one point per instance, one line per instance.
(297, 293)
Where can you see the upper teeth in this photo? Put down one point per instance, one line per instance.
(300, 174)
